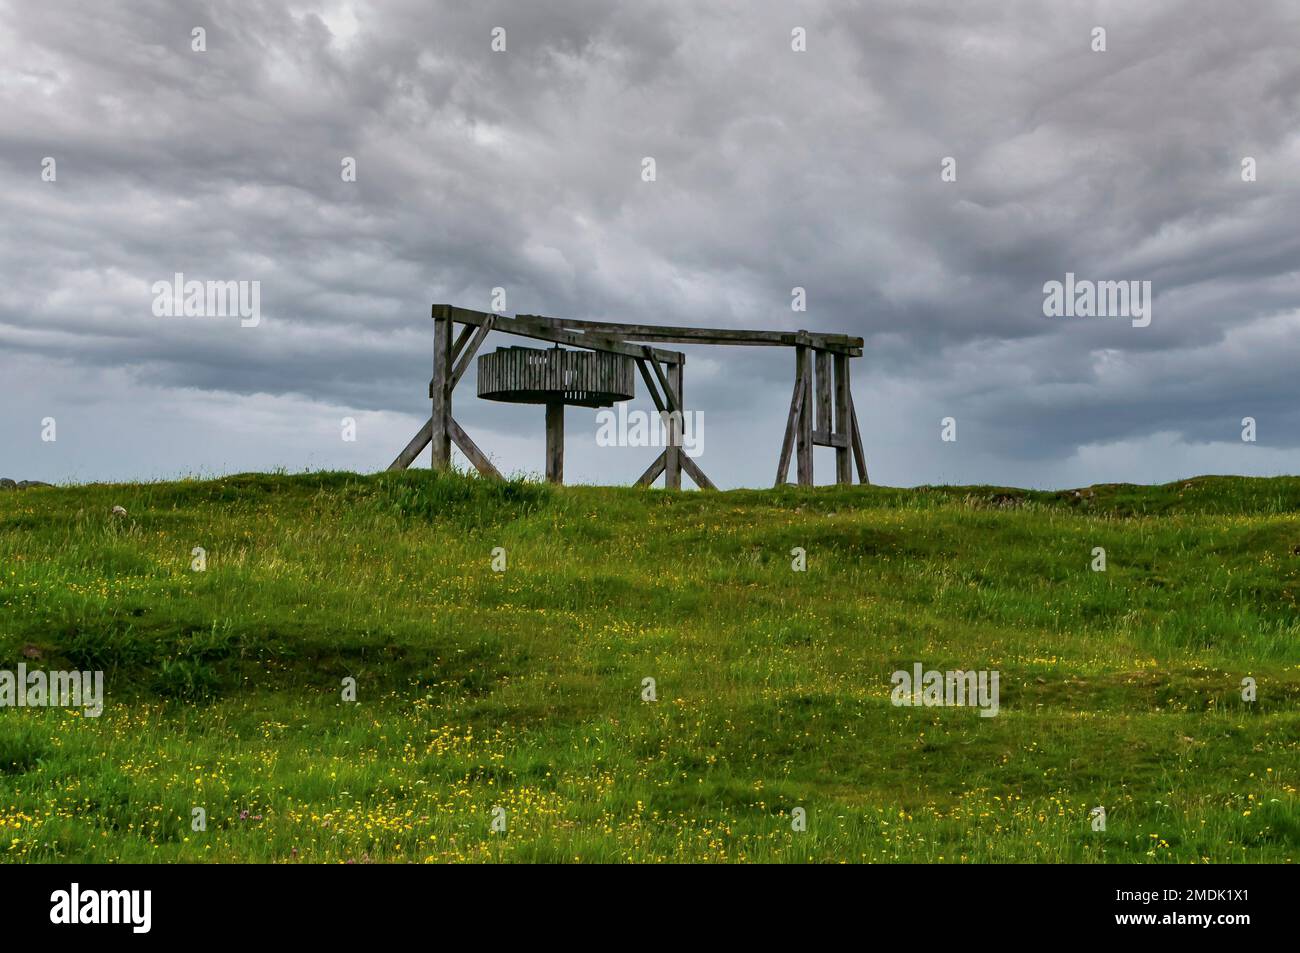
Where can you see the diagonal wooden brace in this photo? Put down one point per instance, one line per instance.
(459, 437)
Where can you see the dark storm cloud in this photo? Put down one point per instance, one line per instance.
(776, 169)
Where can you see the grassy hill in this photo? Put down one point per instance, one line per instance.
(523, 689)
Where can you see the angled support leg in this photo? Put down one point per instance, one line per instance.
(859, 456)
(472, 452)
(652, 472)
(693, 471)
(413, 449)
(791, 425)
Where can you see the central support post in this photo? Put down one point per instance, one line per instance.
(440, 419)
(804, 436)
(555, 441)
(673, 459)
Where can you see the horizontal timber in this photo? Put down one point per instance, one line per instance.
(824, 439)
(542, 330)
(666, 334)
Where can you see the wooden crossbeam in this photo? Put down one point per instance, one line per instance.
(667, 334)
(531, 326)
(825, 438)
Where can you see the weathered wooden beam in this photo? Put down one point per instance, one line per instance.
(804, 444)
(672, 399)
(471, 450)
(843, 424)
(438, 440)
(555, 441)
(667, 334)
(824, 438)
(675, 457)
(652, 472)
(414, 448)
(462, 440)
(695, 473)
(858, 454)
(471, 349)
(791, 426)
(650, 385)
(671, 384)
(461, 337)
(822, 366)
(530, 326)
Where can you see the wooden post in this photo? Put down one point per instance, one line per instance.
(843, 422)
(555, 441)
(673, 460)
(822, 362)
(439, 438)
(804, 449)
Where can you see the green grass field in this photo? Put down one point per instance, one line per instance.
(522, 689)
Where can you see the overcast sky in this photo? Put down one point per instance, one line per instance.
(775, 168)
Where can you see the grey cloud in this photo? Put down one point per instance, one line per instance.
(776, 169)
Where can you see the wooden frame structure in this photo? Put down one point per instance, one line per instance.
(821, 407)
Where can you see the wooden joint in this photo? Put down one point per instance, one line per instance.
(825, 438)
